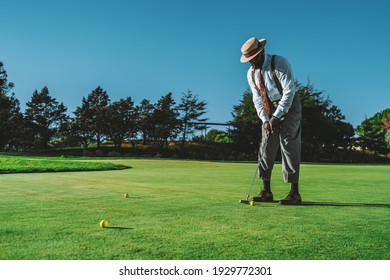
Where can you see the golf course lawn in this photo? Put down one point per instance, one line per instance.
(180, 209)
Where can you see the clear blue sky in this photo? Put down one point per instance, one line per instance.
(145, 49)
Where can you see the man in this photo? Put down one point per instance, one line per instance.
(279, 108)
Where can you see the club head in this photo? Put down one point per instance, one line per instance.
(245, 201)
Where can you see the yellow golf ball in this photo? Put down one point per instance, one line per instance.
(252, 203)
(126, 195)
(103, 223)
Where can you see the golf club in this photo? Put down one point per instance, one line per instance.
(246, 201)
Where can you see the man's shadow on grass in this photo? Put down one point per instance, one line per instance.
(339, 204)
(345, 204)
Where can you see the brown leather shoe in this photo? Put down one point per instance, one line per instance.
(291, 199)
(264, 196)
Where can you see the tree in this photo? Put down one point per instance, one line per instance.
(246, 125)
(145, 120)
(210, 136)
(5, 86)
(372, 132)
(165, 119)
(191, 112)
(386, 125)
(10, 116)
(90, 119)
(323, 128)
(223, 137)
(121, 121)
(78, 130)
(18, 132)
(46, 116)
(386, 119)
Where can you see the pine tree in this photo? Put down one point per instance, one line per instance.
(191, 112)
(46, 117)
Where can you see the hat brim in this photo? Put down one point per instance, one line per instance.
(244, 59)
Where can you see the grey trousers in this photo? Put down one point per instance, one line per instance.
(289, 139)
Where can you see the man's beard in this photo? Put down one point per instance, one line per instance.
(258, 64)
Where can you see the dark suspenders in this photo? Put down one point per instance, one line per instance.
(277, 82)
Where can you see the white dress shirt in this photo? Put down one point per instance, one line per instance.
(285, 75)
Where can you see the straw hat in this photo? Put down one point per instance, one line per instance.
(251, 48)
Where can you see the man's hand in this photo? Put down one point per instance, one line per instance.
(267, 128)
(271, 126)
(275, 124)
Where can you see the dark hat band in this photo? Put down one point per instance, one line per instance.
(259, 46)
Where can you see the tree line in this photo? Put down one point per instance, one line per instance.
(45, 123)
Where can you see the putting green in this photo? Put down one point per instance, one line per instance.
(179, 209)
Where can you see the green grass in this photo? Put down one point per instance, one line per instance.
(189, 210)
(24, 164)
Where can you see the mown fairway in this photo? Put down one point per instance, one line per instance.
(189, 210)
